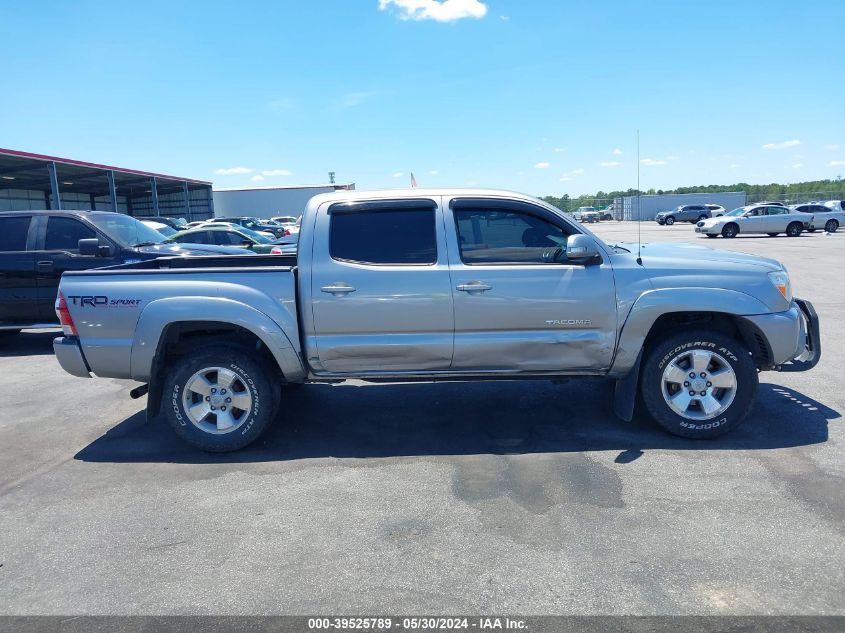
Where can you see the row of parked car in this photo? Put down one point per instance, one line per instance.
(771, 218)
(36, 247)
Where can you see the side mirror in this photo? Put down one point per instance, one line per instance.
(581, 249)
(247, 244)
(91, 247)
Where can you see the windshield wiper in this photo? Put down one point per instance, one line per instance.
(145, 244)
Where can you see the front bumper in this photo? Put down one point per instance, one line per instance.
(810, 341)
(69, 354)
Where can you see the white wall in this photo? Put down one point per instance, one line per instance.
(264, 203)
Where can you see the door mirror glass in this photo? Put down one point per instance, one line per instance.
(581, 249)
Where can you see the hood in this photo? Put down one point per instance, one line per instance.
(691, 256)
(171, 250)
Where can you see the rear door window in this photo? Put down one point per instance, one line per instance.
(384, 236)
(63, 234)
(13, 233)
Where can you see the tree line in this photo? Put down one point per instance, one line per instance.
(798, 190)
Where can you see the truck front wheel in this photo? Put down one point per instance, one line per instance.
(220, 399)
(699, 384)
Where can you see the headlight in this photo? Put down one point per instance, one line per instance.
(780, 280)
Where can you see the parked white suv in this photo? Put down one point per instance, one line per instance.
(756, 218)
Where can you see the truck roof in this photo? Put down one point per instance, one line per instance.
(389, 194)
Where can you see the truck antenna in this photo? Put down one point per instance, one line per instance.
(639, 208)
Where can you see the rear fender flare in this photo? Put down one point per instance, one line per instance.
(160, 314)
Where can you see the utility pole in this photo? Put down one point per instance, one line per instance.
(331, 177)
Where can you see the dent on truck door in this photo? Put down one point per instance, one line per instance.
(518, 304)
(380, 288)
(18, 293)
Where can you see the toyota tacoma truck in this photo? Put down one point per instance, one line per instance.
(437, 285)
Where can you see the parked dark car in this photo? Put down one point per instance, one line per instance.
(36, 247)
(254, 224)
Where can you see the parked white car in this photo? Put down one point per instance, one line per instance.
(756, 218)
(716, 210)
(827, 216)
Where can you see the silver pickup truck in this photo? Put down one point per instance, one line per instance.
(437, 285)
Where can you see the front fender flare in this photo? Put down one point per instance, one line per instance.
(653, 304)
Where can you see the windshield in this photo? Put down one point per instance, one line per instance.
(736, 212)
(126, 230)
(256, 237)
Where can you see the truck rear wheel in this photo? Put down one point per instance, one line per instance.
(698, 384)
(220, 399)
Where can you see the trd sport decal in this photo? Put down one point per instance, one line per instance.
(102, 301)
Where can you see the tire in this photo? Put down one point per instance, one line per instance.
(772, 234)
(794, 229)
(247, 381)
(712, 353)
(711, 235)
(670, 220)
(730, 230)
(831, 226)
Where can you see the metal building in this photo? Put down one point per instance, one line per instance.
(649, 206)
(34, 181)
(267, 202)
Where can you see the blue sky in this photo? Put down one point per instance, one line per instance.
(539, 96)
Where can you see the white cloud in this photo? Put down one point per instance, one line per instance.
(560, 149)
(575, 172)
(832, 147)
(232, 171)
(276, 172)
(783, 145)
(398, 174)
(437, 10)
(610, 163)
(836, 163)
(432, 172)
(797, 166)
(650, 162)
(352, 99)
(542, 165)
(733, 165)
(504, 18)
(257, 178)
(617, 152)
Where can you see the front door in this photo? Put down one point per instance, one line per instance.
(519, 305)
(59, 252)
(380, 290)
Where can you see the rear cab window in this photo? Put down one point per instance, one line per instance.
(14, 232)
(384, 233)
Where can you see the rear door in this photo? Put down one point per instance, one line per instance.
(774, 219)
(381, 296)
(58, 252)
(18, 289)
(517, 308)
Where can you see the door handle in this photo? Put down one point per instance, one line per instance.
(45, 266)
(474, 286)
(338, 289)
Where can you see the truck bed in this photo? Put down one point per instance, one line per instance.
(194, 263)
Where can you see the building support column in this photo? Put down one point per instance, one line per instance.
(154, 193)
(56, 203)
(112, 190)
(187, 195)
